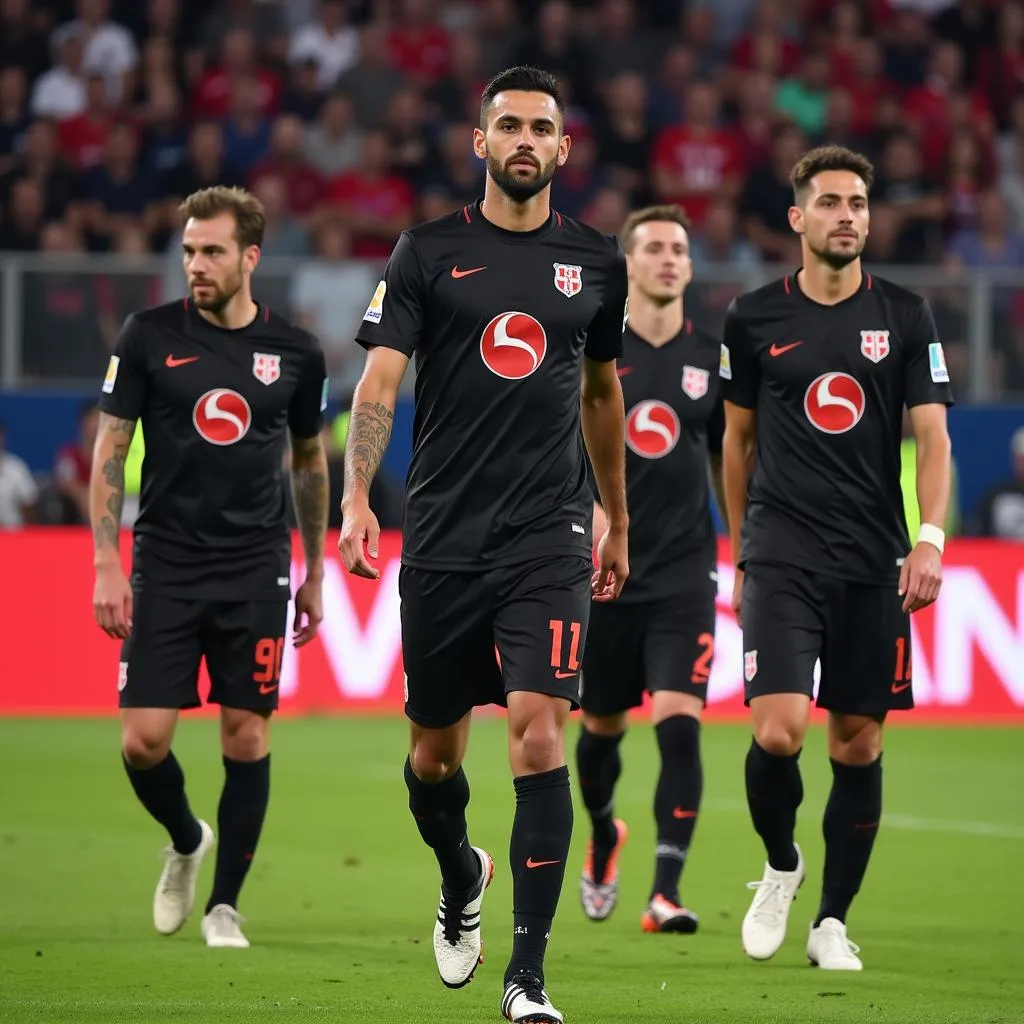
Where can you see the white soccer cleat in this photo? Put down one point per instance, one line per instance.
(457, 940)
(526, 1002)
(220, 928)
(176, 890)
(599, 897)
(764, 925)
(830, 949)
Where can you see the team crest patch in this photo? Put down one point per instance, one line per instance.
(874, 345)
(122, 675)
(695, 382)
(749, 665)
(568, 279)
(266, 368)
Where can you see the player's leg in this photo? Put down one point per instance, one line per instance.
(158, 676)
(678, 651)
(541, 630)
(869, 673)
(611, 682)
(244, 646)
(782, 638)
(450, 665)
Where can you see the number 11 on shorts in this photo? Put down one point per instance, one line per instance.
(557, 627)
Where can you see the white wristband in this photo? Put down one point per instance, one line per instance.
(932, 535)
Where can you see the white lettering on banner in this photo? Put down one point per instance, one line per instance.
(968, 614)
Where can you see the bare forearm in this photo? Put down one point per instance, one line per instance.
(373, 414)
(718, 486)
(106, 487)
(310, 493)
(933, 479)
(604, 434)
(736, 466)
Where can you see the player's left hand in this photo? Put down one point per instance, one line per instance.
(920, 577)
(309, 602)
(613, 566)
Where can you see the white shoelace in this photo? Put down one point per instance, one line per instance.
(768, 904)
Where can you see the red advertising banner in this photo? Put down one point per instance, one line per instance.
(968, 649)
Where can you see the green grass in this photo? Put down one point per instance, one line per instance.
(341, 897)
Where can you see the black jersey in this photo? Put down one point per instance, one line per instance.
(829, 384)
(673, 421)
(214, 406)
(498, 322)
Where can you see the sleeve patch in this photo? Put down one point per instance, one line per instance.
(725, 364)
(376, 306)
(937, 363)
(111, 377)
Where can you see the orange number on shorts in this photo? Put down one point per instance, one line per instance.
(269, 653)
(557, 628)
(903, 659)
(702, 663)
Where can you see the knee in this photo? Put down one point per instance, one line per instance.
(245, 737)
(144, 749)
(433, 763)
(779, 737)
(538, 746)
(863, 747)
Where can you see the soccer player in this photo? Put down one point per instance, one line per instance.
(217, 381)
(817, 369)
(510, 308)
(659, 636)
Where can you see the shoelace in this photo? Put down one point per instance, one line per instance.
(175, 871)
(838, 939)
(769, 898)
(531, 985)
(223, 915)
(453, 908)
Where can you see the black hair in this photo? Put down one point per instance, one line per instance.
(521, 79)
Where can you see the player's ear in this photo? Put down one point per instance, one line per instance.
(796, 219)
(564, 145)
(251, 257)
(480, 143)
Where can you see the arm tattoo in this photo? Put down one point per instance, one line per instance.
(368, 436)
(309, 491)
(106, 527)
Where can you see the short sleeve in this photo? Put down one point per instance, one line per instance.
(604, 335)
(926, 379)
(394, 317)
(306, 412)
(124, 387)
(738, 367)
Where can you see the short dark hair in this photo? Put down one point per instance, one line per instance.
(521, 79)
(649, 214)
(829, 158)
(247, 210)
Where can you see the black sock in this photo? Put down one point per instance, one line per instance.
(850, 826)
(599, 765)
(440, 812)
(676, 800)
(774, 792)
(541, 832)
(243, 806)
(161, 790)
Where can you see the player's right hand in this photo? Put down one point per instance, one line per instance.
(737, 597)
(112, 602)
(358, 543)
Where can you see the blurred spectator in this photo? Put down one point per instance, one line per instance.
(14, 119)
(72, 467)
(454, 181)
(376, 203)
(246, 129)
(967, 176)
(608, 210)
(285, 234)
(21, 228)
(373, 80)
(767, 46)
(164, 139)
(39, 160)
(908, 49)
(576, 184)
(1000, 512)
(618, 44)
(971, 25)
(304, 186)
(499, 29)
(803, 98)
(720, 242)
(60, 92)
(756, 118)
(699, 30)
(867, 84)
(329, 296)
(1001, 73)
(83, 138)
(624, 136)
(22, 45)
(1011, 162)
(333, 143)
(458, 92)
(18, 491)
(204, 166)
(408, 141)
(698, 161)
(676, 72)
(768, 197)
(554, 45)
(303, 96)
(124, 291)
(217, 89)
(261, 21)
(109, 47)
(329, 41)
(417, 45)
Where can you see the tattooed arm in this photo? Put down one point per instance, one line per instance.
(309, 491)
(112, 600)
(373, 412)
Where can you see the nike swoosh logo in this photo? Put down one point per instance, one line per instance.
(621, 371)
(265, 689)
(777, 350)
(678, 812)
(531, 863)
(900, 687)
(456, 273)
(172, 362)
(564, 675)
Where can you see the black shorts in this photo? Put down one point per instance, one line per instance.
(660, 645)
(242, 641)
(472, 638)
(792, 617)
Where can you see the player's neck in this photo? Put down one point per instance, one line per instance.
(504, 212)
(657, 325)
(238, 313)
(826, 285)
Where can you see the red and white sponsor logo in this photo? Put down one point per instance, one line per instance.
(834, 403)
(568, 279)
(695, 382)
(968, 648)
(652, 429)
(266, 368)
(222, 416)
(513, 345)
(874, 345)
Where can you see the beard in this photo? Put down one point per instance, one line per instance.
(836, 260)
(516, 188)
(218, 296)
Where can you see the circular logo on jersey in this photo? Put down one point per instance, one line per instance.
(222, 416)
(834, 403)
(652, 429)
(513, 345)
